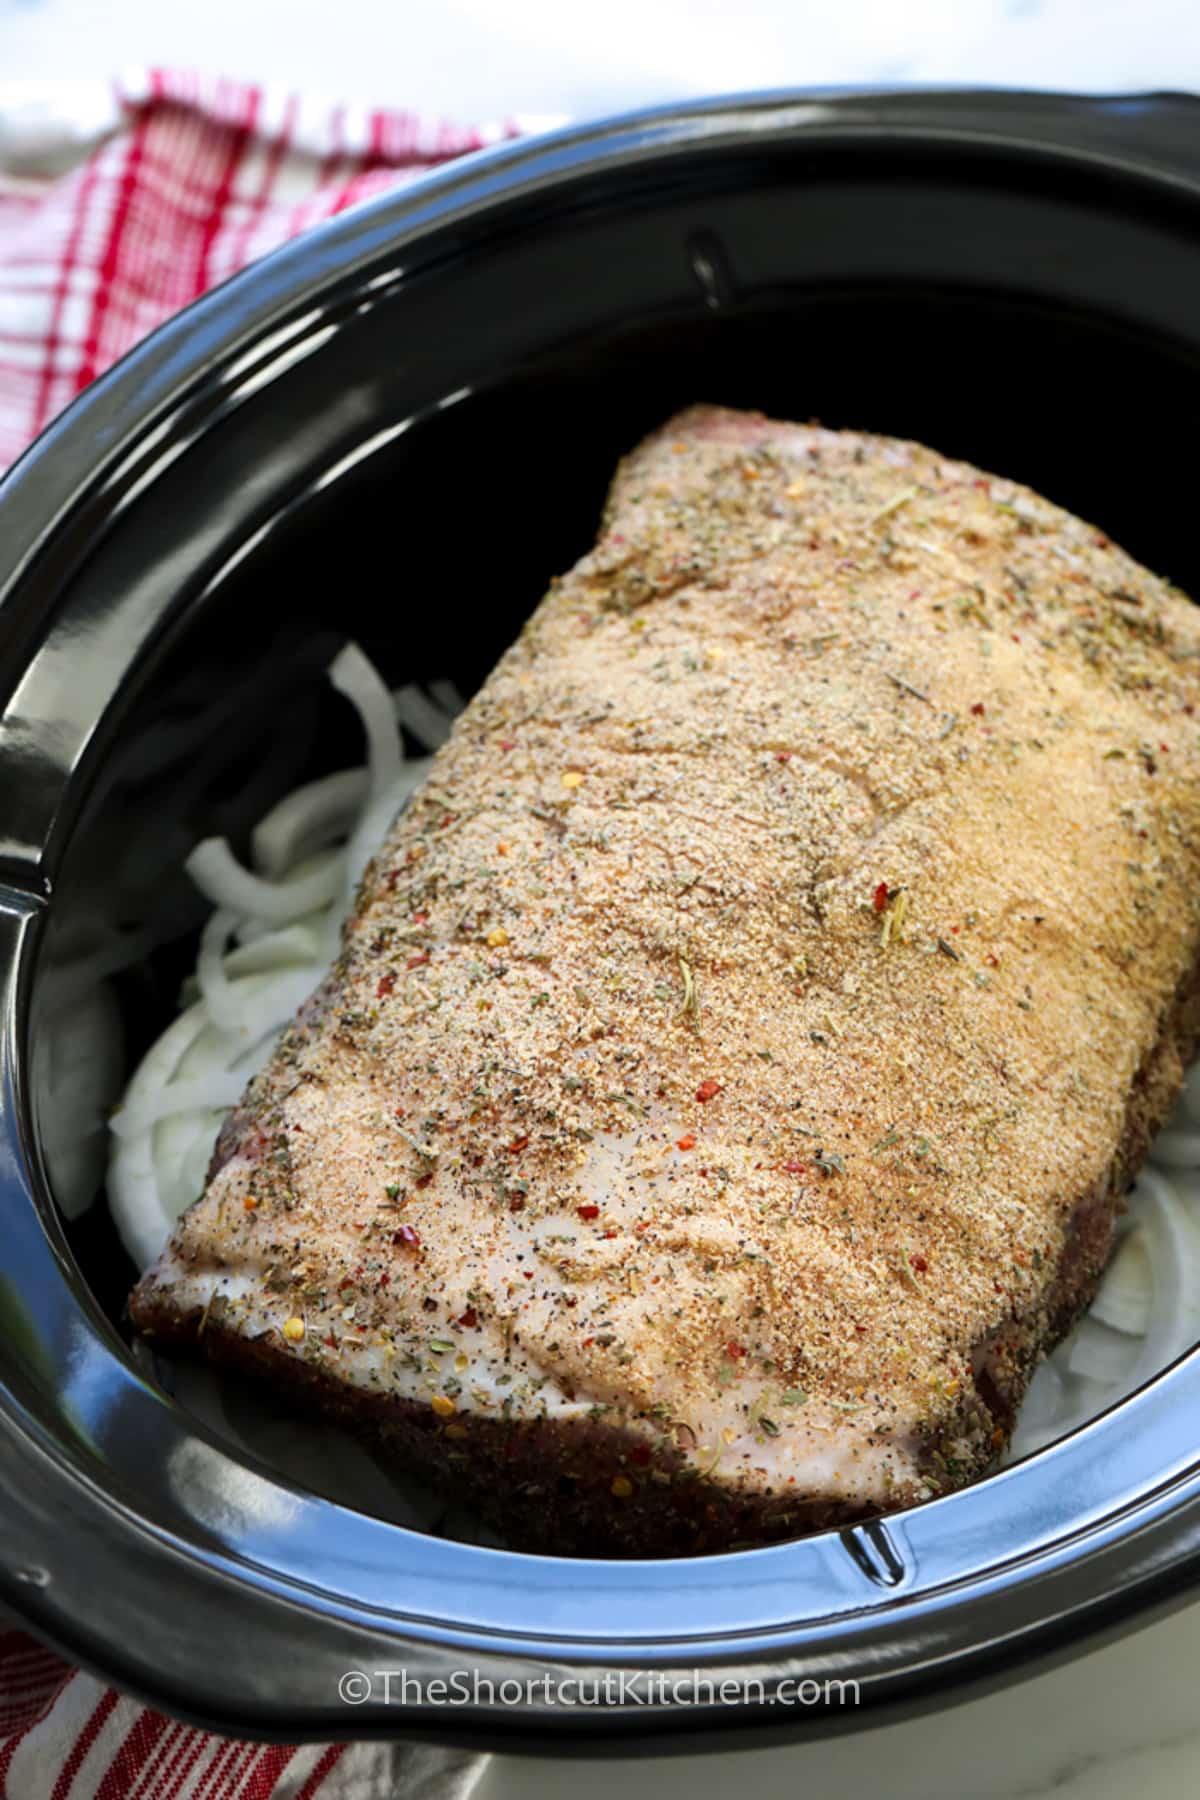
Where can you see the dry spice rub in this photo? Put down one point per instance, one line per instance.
(741, 1043)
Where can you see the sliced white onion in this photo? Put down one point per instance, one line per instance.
(428, 722)
(1190, 1098)
(218, 1088)
(222, 879)
(211, 978)
(363, 685)
(1046, 1397)
(274, 1001)
(377, 820)
(286, 916)
(1155, 1275)
(448, 697)
(182, 1146)
(1102, 1354)
(1126, 1293)
(1079, 1400)
(308, 819)
(1171, 1238)
(163, 1057)
(1178, 1149)
(293, 946)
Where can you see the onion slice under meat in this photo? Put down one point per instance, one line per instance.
(264, 949)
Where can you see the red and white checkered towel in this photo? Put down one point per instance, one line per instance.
(188, 180)
(65, 1736)
(195, 178)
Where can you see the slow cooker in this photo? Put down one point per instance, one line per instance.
(399, 428)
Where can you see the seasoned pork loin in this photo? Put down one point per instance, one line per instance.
(741, 1044)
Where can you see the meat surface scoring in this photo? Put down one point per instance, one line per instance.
(741, 1043)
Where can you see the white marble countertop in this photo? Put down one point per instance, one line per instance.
(1122, 1719)
(474, 58)
(1119, 1721)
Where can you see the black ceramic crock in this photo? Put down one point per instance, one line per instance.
(399, 428)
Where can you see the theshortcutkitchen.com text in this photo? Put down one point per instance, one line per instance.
(602, 1688)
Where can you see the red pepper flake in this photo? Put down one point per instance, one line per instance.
(408, 1236)
(518, 1144)
(587, 1342)
(414, 962)
(880, 897)
(981, 483)
(783, 756)
(507, 744)
(399, 1113)
(420, 918)
(992, 960)
(330, 1342)
(708, 1090)
(423, 1181)
(732, 1349)
(977, 708)
(517, 1203)
(610, 1233)
(386, 984)
(794, 1168)
(528, 1274)
(588, 1212)
(468, 1320)
(687, 1142)
(920, 1264)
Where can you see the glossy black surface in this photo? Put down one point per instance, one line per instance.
(400, 428)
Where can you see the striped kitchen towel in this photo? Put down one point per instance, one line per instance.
(188, 178)
(66, 1736)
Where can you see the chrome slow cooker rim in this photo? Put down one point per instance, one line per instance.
(268, 1608)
